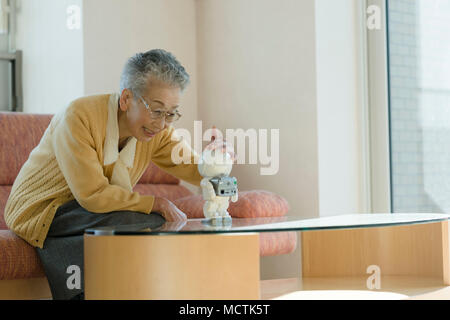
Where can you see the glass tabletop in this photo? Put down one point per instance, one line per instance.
(271, 224)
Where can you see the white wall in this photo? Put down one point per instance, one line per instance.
(52, 55)
(128, 27)
(61, 64)
(257, 70)
(338, 107)
(291, 65)
(132, 26)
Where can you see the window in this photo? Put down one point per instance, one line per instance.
(419, 104)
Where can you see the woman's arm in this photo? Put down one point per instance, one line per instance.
(78, 160)
(162, 157)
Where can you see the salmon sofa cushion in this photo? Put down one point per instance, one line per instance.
(250, 204)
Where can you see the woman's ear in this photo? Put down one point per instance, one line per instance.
(126, 98)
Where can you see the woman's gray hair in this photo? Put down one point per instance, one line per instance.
(157, 64)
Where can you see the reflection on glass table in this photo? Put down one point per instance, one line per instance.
(272, 224)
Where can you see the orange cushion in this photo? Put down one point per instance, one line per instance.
(250, 204)
(18, 260)
(277, 243)
(169, 191)
(20, 134)
(154, 175)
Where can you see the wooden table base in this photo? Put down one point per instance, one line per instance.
(207, 266)
(410, 250)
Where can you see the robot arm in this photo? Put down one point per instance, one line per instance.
(235, 197)
(207, 189)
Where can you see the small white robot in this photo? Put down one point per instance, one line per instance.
(217, 187)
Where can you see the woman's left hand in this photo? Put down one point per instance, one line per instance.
(220, 144)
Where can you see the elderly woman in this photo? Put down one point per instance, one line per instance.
(82, 172)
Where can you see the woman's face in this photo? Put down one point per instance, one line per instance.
(137, 120)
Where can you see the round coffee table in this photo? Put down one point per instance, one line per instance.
(196, 259)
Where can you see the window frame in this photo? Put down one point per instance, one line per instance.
(376, 55)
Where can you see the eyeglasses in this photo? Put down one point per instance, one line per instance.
(159, 114)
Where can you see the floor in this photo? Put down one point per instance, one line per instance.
(414, 287)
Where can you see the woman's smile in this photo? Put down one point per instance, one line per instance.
(148, 133)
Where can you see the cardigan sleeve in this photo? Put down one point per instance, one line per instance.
(162, 157)
(79, 162)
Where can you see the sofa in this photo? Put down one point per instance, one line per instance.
(21, 273)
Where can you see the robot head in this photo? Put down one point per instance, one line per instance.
(214, 163)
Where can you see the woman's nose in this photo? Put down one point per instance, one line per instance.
(160, 123)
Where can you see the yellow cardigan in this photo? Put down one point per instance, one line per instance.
(75, 159)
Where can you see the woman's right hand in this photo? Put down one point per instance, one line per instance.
(168, 210)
